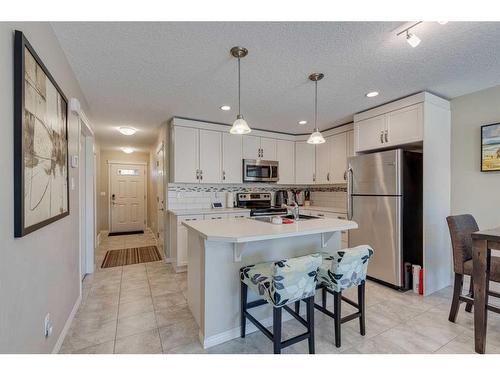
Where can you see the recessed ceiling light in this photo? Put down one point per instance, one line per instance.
(412, 40)
(442, 22)
(126, 130)
(302, 122)
(127, 150)
(372, 94)
(225, 108)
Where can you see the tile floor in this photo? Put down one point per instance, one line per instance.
(142, 309)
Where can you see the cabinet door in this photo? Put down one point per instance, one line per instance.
(251, 146)
(285, 154)
(232, 158)
(210, 156)
(350, 143)
(185, 145)
(339, 158)
(368, 134)
(182, 241)
(324, 162)
(268, 146)
(304, 163)
(405, 125)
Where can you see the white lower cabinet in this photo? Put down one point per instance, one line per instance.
(178, 241)
(238, 215)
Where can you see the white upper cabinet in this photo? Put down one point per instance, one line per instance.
(210, 156)
(338, 147)
(324, 161)
(369, 133)
(305, 165)
(232, 158)
(251, 147)
(259, 148)
(405, 125)
(394, 128)
(285, 155)
(268, 148)
(186, 154)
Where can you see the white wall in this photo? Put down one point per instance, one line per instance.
(39, 273)
(473, 191)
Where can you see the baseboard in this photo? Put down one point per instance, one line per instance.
(65, 329)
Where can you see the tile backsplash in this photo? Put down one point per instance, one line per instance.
(194, 196)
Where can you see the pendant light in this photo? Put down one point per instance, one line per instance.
(240, 126)
(316, 138)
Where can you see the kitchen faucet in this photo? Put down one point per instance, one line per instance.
(293, 208)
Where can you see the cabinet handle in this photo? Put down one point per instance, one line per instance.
(328, 176)
(345, 176)
(314, 177)
(386, 135)
(381, 136)
(223, 175)
(197, 174)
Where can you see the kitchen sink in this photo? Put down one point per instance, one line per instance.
(301, 217)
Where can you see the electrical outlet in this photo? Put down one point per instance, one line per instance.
(47, 326)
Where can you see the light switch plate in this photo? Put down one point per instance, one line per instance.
(74, 161)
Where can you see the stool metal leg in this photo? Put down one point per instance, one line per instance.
(361, 308)
(244, 293)
(337, 299)
(277, 330)
(323, 297)
(297, 307)
(310, 322)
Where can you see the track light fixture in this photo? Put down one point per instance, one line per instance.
(412, 39)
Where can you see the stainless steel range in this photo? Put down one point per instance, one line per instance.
(259, 204)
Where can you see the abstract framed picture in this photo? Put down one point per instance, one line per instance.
(41, 189)
(490, 148)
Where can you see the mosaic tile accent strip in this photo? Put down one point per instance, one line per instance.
(236, 188)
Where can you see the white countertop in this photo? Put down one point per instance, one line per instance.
(248, 230)
(206, 211)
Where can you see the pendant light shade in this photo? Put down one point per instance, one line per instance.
(316, 138)
(240, 126)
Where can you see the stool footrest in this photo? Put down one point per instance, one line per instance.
(257, 303)
(350, 317)
(324, 310)
(263, 329)
(294, 340)
(296, 316)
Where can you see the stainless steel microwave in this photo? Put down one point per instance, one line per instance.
(257, 170)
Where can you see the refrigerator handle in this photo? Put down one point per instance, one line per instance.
(349, 193)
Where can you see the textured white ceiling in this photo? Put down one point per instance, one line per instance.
(141, 74)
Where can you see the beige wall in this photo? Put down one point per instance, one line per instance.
(114, 155)
(473, 191)
(39, 273)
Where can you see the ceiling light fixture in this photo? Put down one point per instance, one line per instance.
(411, 38)
(225, 108)
(240, 126)
(442, 22)
(372, 94)
(302, 122)
(127, 150)
(316, 138)
(127, 130)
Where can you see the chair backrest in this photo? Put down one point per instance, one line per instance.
(349, 266)
(461, 227)
(294, 278)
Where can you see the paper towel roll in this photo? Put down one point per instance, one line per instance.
(416, 277)
(229, 200)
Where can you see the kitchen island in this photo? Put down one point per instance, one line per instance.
(217, 249)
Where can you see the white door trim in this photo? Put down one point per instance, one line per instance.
(86, 197)
(110, 163)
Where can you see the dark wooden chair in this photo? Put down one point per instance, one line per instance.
(461, 227)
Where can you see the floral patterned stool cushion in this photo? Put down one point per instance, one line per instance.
(345, 268)
(285, 281)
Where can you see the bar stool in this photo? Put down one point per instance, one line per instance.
(280, 284)
(339, 271)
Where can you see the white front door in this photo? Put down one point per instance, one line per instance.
(127, 182)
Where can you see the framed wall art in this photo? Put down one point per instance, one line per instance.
(41, 189)
(490, 148)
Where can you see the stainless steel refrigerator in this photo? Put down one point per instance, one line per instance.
(385, 199)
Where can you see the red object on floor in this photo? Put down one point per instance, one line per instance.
(421, 282)
(288, 221)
